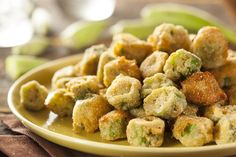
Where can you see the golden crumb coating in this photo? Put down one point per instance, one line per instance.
(201, 88)
(193, 131)
(120, 65)
(87, 112)
(169, 38)
(211, 46)
(153, 64)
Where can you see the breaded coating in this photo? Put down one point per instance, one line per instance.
(231, 93)
(33, 95)
(131, 47)
(201, 88)
(61, 83)
(211, 46)
(60, 102)
(146, 132)
(153, 64)
(120, 66)
(181, 64)
(156, 81)
(83, 85)
(88, 64)
(104, 59)
(124, 93)
(225, 130)
(113, 125)
(138, 112)
(226, 74)
(87, 112)
(169, 38)
(165, 102)
(102, 92)
(193, 131)
(68, 71)
(190, 110)
(216, 111)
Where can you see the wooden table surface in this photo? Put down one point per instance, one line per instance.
(219, 8)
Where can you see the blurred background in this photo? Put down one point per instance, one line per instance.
(33, 32)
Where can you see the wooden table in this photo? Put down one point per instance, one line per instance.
(219, 8)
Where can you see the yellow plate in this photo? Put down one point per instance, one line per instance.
(48, 126)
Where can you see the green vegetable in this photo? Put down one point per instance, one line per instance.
(188, 129)
(17, 65)
(189, 17)
(35, 46)
(81, 34)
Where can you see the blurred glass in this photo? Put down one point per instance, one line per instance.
(15, 25)
(92, 10)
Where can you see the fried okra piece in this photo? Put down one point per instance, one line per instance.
(120, 66)
(201, 88)
(138, 112)
(102, 92)
(153, 64)
(87, 112)
(88, 64)
(33, 95)
(169, 38)
(211, 46)
(113, 125)
(193, 131)
(225, 129)
(156, 81)
(216, 111)
(124, 93)
(68, 71)
(190, 110)
(104, 59)
(231, 93)
(226, 74)
(83, 85)
(165, 102)
(60, 102)
(146, 131)
(61, 83)
(131, 47)
(181, 64)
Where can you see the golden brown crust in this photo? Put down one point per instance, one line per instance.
(201, 88)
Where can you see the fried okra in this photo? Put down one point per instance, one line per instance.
(120, 66)
(104, 59)
(190, 110)
(88, 64)
(131, 47)
(146, 132)
(68, 71)
(61, 83)
(83, 85)
(181, 64)
(113, 125)
(169, 38)
(226, 74)
(211, 46)
(60, 102)
(193, 131)
(153, 64)
(201, 88)
(225, 129)
(156, 81)
(33, 95)
(165, 102)
(124, 93)
(138, 112)
(216, 111)
(87, 112)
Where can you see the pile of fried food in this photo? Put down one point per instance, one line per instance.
(140, 90)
